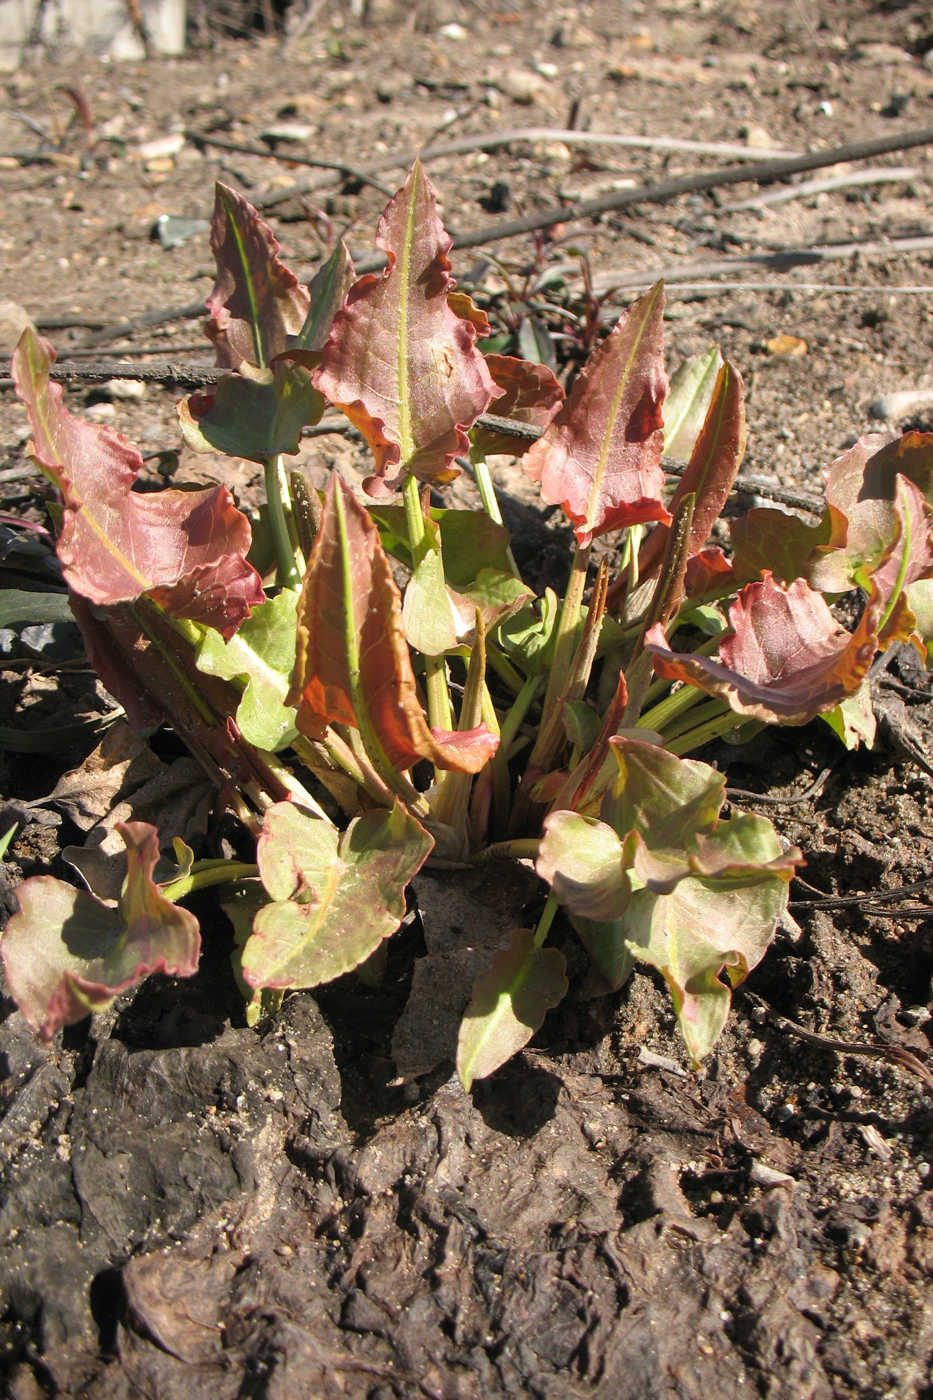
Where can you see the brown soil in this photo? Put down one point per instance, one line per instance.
(190, 1207)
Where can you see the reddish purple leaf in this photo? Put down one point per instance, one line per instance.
(769, 539)
(353, 665)
(257, 304)
(530, 394)
(67, 953)
(709, 571)
(601, 456)
(400, 363)
(714, 462)
(185, 548)
(786, 660)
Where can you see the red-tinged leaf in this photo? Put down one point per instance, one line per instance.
(187, 548)
(909, 455)
(67, 954)
(786, 660)
(463, 305)
(335, 897)
(861, 488)
(508, 1005)
(714, 462)
(353, 665)
(257, 306)
(530, 394)
(601, 456)
(400, 363)
(765, 539)
(709, 571)
(156, 680)
(908, 561)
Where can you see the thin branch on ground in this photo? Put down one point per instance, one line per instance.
(847, 901)
(829, 183)
(780, 259)
(248, 148)
(815, 788)
(894, 1054)
(760, 172)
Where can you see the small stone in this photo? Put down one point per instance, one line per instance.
(789, 347)
(452, 31)
(901, 404)
(125, 388)
(289, 133)
(757, 139)
(523, 87)
(548, 70)
(101, 412)
(162, 148)
(171, 229)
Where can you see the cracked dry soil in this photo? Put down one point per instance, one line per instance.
(189, 1207)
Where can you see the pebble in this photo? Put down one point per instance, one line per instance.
(901, 404)
(521, 85)
(124, 388)
(757, 139)
(162, 148)
(101, 412)
(290, 133)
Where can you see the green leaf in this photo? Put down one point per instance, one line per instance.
(699, 929)
(666, 800)
(853, 719)
(671, 885)
(688, 399)
(335, 898)
(21, 605)
(262, 654)
(508, 1005)
(6, 839)
(327, 290)
(254, 414)
(920, 602)
(581, 858)
(67, 954)
(529, 635)
(432, 625)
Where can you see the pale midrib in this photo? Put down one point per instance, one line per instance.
(602, 461)
(83, 511)
(250, 291)
(406, 442)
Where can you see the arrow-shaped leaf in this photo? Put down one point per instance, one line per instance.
(714, 462)
(257, 306)
(186, 548)
(352, 664)
(335, 898)
(786, 658)
(600, 458)
(400, 363)
(509, 1003)
(67, 953)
